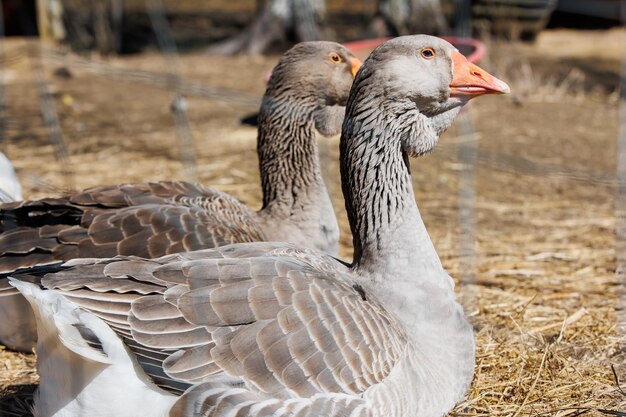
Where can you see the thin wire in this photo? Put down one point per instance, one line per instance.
(620, 208)
(51, 117)
(179, 103)
(153, 79)
(467, 154)
(512, 163)
(3, 108)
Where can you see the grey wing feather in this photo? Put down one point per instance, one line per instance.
(148, 220)
(282, 319)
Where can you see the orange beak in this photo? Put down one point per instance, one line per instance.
(356, 64)
(471, 81)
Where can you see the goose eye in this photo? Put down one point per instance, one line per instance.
(427, 53)
(335, 58)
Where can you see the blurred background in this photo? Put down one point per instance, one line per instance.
(524, 198)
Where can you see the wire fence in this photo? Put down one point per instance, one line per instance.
(620, 205)
(467, 153)
(463, 148)
(3, 109)
(178, 106)
(51, 118)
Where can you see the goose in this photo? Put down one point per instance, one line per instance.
(274, 329)
(307, 92)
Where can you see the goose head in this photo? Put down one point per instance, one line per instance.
(315, 76)
(426, 74)
(430, 72)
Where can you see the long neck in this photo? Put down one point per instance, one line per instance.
(395, 260)
(288, 155)
(388, 231)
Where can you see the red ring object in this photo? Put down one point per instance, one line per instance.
(478, 48)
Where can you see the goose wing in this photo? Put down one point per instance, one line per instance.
(148, 220)
(271, 316)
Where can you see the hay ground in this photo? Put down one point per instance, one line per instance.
(539, 283)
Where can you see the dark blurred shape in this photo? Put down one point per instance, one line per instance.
(513, 19)
(94, 24)
(17, 400)
(405, 17)
(19, 17)
(604, 9)
(63, 73)
(588, 14)
(250, 120)
(277, 22)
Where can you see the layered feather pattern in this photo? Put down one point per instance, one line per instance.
(148, 220)
(262, 313)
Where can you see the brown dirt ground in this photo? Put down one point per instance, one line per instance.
(540, 288)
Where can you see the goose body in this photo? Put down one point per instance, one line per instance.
(272, 329)
(307, 92)
(309, 315)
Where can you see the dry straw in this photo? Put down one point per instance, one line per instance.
(545, 298)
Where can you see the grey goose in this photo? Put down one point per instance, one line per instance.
(307, 91)
(273, 329)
